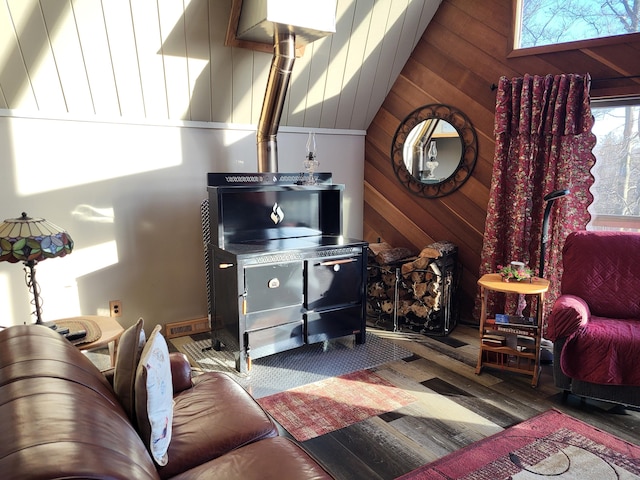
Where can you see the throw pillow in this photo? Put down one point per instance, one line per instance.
(154, 396)
(127, 357)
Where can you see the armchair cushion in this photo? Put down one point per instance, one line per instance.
(605, 353)
(599, 267)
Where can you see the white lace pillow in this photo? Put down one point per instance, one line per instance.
(154, 396)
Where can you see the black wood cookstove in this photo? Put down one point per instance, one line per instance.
(282, 274)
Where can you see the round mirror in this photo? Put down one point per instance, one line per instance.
(434, 150)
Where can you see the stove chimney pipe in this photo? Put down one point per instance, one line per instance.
(281, 23)
(284, 55)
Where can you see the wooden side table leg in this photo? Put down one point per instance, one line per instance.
(483, 315)
(113, 350)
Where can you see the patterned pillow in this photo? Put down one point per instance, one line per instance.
(154, 396)
(127, 357)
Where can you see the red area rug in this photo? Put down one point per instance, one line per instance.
(322, 407)
(550, 445)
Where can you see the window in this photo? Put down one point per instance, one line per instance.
(551, 22)
(616, 191)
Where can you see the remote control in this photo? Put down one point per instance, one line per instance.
(75, 335)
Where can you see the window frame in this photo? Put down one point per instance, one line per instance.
(608, 221)
(514, 52)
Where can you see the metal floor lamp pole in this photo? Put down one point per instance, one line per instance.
(544, 238)
(546, 355)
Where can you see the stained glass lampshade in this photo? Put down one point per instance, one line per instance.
(31, 240)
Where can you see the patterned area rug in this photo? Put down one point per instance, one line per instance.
(322, 407)
(293, 368)
(550, 445)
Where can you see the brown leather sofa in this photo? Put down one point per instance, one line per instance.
(60, 418)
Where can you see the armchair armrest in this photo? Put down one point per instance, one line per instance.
(180, 372)
(568, 313)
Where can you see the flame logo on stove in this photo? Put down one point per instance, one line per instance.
(277, 215)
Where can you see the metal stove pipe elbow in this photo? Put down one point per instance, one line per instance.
(284, 49)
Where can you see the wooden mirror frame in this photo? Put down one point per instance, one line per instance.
(468, 158)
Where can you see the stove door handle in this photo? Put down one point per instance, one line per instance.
(330, 263)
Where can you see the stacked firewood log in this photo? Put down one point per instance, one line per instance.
(418, 281)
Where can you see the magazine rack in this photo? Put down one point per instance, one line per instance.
(510, 342)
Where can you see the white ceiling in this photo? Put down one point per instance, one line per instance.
(167, 60)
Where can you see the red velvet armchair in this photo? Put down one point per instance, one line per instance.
(595, 323)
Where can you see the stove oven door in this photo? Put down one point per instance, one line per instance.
(272, 308)
(334, 293)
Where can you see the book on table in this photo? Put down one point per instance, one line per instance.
(494, 340)
(519, 320)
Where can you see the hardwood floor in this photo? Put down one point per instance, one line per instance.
(455, 408)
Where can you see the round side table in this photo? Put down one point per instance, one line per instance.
(110, 332)
(514, 357)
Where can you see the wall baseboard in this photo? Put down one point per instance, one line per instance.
(187, 327)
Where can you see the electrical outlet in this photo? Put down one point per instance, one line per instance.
(115, 308)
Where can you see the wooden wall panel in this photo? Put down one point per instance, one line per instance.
(169, 60)
(463, 51)
(68, 55)
(124, 58)
(92, 35)
(14, 77)
(36, 54)
(148, 44)
(197, 32)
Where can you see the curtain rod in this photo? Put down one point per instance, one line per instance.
(494, 87)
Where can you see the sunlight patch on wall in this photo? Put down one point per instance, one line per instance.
(6, 306)
(58, 278)
(89, 213)
(50, 155)
(235, 143)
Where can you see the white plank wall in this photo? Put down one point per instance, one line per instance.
(90, 24)
(166, 60)
(147, 35)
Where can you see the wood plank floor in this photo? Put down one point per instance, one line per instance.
(455, 408)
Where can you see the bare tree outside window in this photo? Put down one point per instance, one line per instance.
(549, 22)
(616, 189)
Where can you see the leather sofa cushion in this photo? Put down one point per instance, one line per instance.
(59, 416)
(27, 351)
(212, 418)
(271, 458)
(82, 435)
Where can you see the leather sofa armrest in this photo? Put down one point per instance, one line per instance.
(180, 372)
(567, 315)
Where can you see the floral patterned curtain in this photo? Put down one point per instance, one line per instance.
(543, 143)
